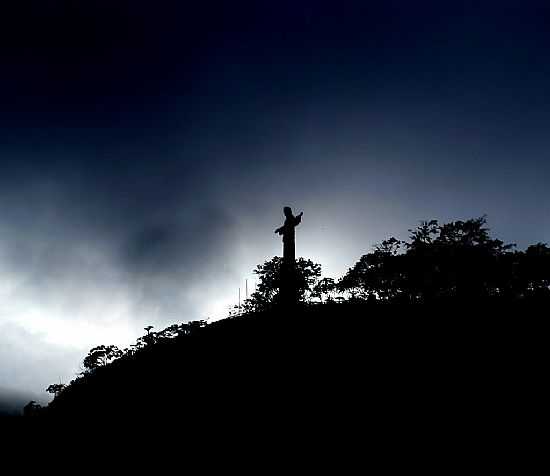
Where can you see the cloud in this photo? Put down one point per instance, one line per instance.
(29, 364)
(79, 266)
(13, 401)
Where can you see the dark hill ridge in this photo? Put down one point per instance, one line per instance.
(324, 360)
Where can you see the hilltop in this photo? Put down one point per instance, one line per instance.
(425, 323)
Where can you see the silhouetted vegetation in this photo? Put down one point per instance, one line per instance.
(55, 389)
(267, 294)
(101, 356)
(32, 409)
(458, 260)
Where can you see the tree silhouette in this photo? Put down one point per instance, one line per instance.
(101, 356)
(324, 289)
(32, 409)
(267, 291)
(150, 337)
(457, 259)
(453, 260)
(55, 389)
(378, 274)
(531, 272)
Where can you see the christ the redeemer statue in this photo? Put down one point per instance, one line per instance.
(289, 293)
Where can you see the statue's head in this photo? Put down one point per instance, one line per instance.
(287, 211)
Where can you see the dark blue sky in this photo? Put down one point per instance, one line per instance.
(147, 149)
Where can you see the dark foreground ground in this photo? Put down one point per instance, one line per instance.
(381, 365)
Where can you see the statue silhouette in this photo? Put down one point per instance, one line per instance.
(289, 294)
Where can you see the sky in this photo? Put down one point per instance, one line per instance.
(147, 150)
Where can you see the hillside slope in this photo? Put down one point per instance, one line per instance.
(389, 361)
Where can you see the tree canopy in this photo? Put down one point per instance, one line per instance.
(307, 274)
(100, 356)
(453, 260)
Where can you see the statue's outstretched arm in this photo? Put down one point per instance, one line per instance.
(279, 230)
